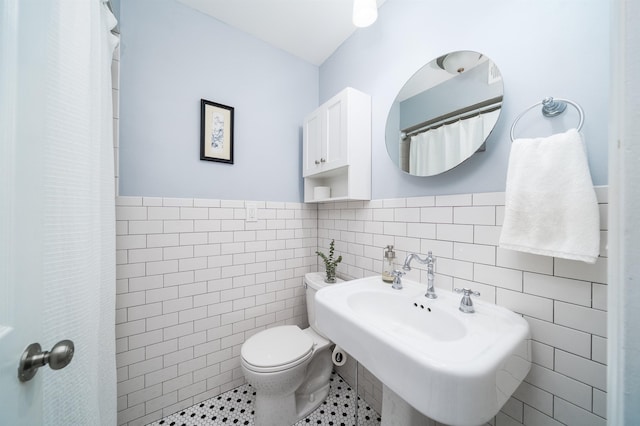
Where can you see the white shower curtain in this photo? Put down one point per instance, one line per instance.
(80, 233)
(440, 149)
(471, 133)
(489, 120)
(426, 153)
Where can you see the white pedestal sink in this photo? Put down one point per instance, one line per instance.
(453, 367)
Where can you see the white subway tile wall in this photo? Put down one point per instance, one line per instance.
(195, 280)
(563, 301)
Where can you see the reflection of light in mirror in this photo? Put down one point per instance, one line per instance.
(459, 62)
(431, 75)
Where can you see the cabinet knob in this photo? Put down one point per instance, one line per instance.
(322, 160)
(317, 162)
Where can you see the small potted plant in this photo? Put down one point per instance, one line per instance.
(330, 263)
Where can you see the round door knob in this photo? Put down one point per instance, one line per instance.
(61, 354)
(33, 358)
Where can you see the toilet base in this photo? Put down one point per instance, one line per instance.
(307, 403)
(275, 411)
(279, 410)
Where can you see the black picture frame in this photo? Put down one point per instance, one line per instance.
(216, 132)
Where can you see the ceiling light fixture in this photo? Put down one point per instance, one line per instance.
(365, 12)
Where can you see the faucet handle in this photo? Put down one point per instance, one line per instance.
(467, 292)
(466, 304)
(397, 279)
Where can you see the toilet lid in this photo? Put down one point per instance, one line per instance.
(276, 346)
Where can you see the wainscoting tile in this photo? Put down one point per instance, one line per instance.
(195, 281)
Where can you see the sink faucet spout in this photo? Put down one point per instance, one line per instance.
(429, 260)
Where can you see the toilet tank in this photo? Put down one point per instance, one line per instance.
(314, 281)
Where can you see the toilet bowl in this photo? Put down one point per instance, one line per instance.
(289, 367)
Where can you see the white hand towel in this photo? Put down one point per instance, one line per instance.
(550, 205)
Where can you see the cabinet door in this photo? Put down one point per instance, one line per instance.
(334, 152)
(311, 145)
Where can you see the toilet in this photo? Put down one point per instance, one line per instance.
(289, 368)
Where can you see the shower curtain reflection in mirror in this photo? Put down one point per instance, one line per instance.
(438, 150)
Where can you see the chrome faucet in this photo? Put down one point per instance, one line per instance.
(466, 304)
(429, 261)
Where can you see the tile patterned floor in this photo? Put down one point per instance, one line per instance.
(235, 407)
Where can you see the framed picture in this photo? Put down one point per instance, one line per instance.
(216, 132)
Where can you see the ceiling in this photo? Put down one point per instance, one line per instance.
(309, 29)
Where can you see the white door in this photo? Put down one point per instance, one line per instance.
(20, 242)
(20, 301)
(56, 280)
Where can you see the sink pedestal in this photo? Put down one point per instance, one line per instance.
(397, 412)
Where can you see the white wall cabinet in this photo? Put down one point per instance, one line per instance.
(336, 148)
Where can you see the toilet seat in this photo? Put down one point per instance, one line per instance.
(276, 349)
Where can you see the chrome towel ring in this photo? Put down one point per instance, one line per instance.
(550, 108)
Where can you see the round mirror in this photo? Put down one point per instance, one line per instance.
(444, 113)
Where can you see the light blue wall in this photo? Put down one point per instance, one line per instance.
(171, 57)
(542, 47)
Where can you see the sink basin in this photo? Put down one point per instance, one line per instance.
(397, 315)
(455, 368)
